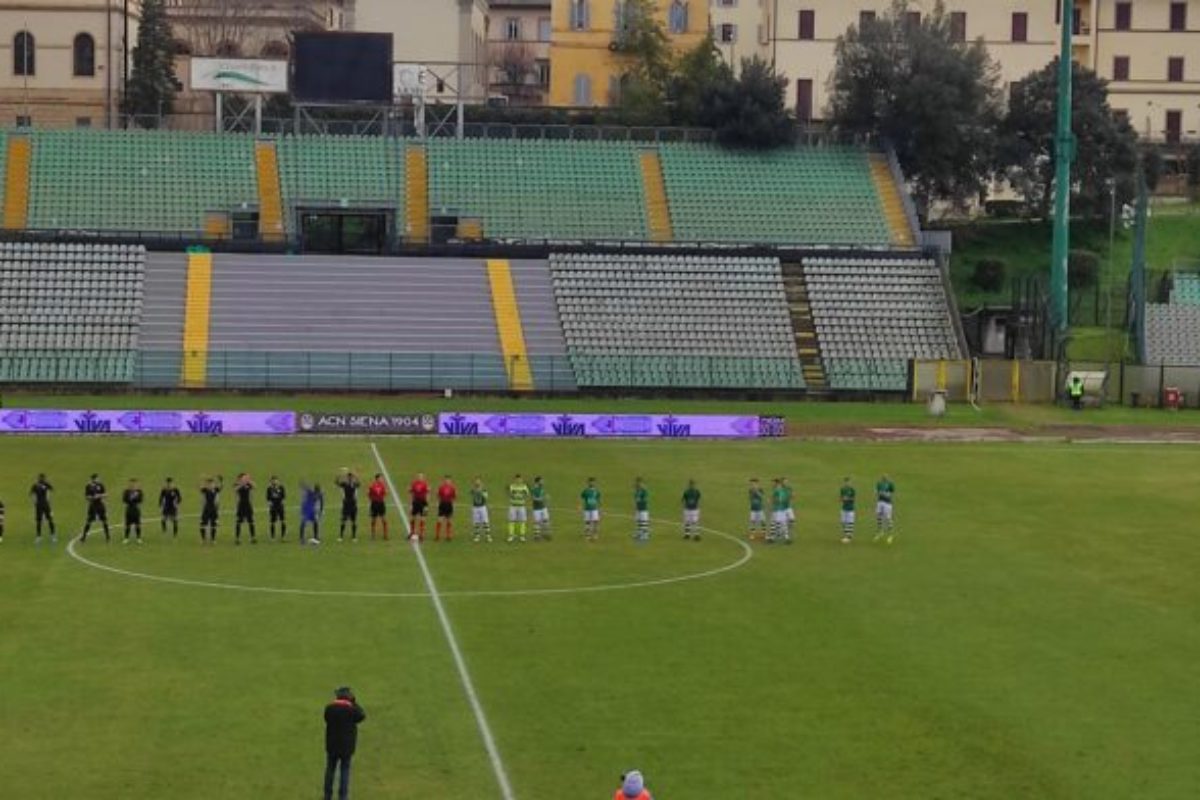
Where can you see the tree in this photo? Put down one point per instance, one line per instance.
(641, 36)
(749, 111)
(515, 62)
(934, 99)
(989, 274)
(1105, 149)
(152, 83)
(216, 27)
(697, 72)
(641, 39)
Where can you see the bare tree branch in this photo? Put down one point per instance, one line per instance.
(514, 62)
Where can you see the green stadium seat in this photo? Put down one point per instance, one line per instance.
(676, 321)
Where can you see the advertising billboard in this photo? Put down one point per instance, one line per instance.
(126, 422)
(654, 426)
(242, 75)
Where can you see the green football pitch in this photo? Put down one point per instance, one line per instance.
(1034, 632)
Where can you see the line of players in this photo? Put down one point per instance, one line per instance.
(521, 496)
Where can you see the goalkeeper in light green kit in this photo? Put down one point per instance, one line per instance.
(518, 499)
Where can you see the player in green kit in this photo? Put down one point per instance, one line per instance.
(691, 512)
(791, 506)
(481, 524)
(758, 515)
(541, 513)
(885, 491)
(518, 499)
(781, 527)
(641, 511)
(590, 501)
(847, 496)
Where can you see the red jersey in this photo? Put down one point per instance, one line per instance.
(419, 491)
(447, 493)
(377, 492)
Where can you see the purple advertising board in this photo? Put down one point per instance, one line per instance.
(127, 422)
(655, 426)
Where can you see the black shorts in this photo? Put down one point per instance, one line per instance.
(378, 509)
(446, 510)
(349, 511)
(208, 517)
(170, 513)
(245, 514)
(42, 513)
(97, 514)
(420, 507)
(133, 517)
(277, 513)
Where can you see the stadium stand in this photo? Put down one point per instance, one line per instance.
(352, 323)
(874, 314)
(543, 330)
(1173, 333)
(1186, 289)
(676, 321)
(138, 181)
(540, 189)
(69, 313)
(355, 171)
(162, 321)
(812, 196)
(179, 183)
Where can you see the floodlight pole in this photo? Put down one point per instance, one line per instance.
(1064, 154)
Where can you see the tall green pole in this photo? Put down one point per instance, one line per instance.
(1064, 154)
(1137, 272)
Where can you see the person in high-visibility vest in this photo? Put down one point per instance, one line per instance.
(633, 787)
(1076, 392)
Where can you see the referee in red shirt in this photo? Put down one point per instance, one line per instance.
(419, 492)
(377, 496)
(447, 494)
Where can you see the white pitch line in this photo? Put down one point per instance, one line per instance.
(485, 730)
(747, 554)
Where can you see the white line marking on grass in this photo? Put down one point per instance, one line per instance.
(485, 730)
(747, 554)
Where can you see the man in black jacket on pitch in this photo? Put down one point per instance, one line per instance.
(342, 717)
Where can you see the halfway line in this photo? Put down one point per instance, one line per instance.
(485, 730)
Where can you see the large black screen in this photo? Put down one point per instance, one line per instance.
(342, 68)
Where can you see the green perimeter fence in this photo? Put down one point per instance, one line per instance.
(301, 370)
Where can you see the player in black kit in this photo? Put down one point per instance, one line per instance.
(276, 496)
(210, 492)
(132, 498)
(348, 482)
(244, 488)
(96, 511)
(40, 492)
(169, 500)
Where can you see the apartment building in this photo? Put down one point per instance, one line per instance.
(448, 38)
(62, 62)
(250, 28)
(519, 33)
(585, 65)
(1148, 49)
